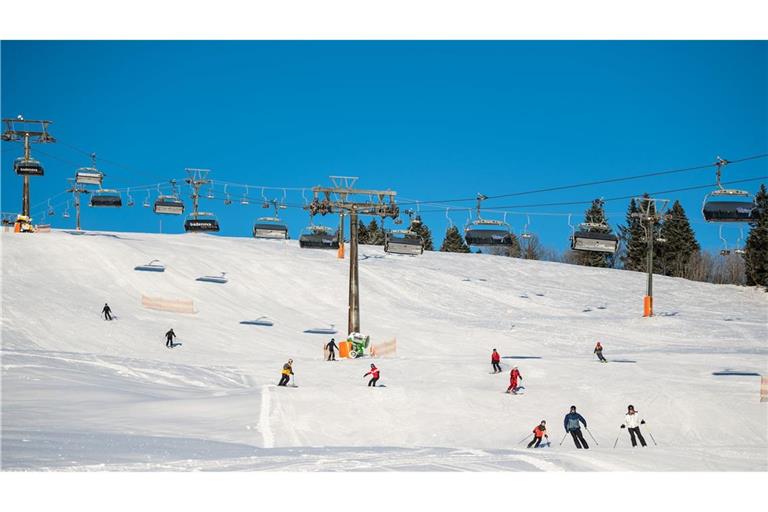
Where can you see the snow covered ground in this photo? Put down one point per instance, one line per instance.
(80, 393)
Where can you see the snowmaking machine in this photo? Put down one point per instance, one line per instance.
(354, 346)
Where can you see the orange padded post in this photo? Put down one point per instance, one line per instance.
(344, 347)
(647, 306)
(340, 254)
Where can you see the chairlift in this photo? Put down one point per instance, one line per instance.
(319, 237)
(525, 235)
(146, 201)
(152, 266)
(28, 167)
(593, 237)
(89, 176)
(485, 232)
(727, 205)
(222, 279)
(130, 201)
(244, 199)
(403, 241)
(271, 228)
(106, 198)
(227, 198)
(201, 222)
(51, 211)
(210, 192)
(66, 211)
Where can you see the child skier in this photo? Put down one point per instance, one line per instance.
(495, 358)
(599, 351)
(286, 373)
(374, 373)
(107, 312)
(571, 425)
(630, 422)
(539, 432)
(169, 338)
(330, 347)
(514, 375)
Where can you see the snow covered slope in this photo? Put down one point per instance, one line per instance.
(82, 393)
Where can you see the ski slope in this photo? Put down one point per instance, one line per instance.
(80, 393)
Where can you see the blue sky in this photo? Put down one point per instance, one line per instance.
(431, 120)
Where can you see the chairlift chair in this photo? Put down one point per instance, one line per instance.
(587, 239)
(319, 237)
(168, 205)
(403, 241)
(152, 266)
(485, 232)
(106, 198)
(201, 222)
(727, 205)
(222, 279)
(146, 201)
(271, 228)
(89, 176)
(28, 167)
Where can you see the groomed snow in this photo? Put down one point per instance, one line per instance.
(80, 393)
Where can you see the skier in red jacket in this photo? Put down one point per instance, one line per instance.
(495, 358)
(374, 373)
(514, 375)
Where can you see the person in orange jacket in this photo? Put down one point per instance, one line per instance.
(374, 373)
(514, 375)
(495, 358)
(539, 432)
(599, 351)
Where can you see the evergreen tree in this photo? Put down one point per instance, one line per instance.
(680, 243)
(425, 233)
(595, 215)
(632, 238)
(453, 241)
(375, 233)
(362, 233)
(756, 250)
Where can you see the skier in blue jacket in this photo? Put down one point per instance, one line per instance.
(571, 425)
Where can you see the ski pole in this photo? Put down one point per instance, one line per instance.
(590, 435)
(566, 435)
(523, 439)
(652, 439)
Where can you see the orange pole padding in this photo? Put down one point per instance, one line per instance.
(764, 389)
(344, 348)
(647, 306)
(340, 254)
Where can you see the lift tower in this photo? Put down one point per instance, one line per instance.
(337, 199)
(29, 131)
(651, 211)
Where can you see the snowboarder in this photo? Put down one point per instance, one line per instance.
(571, 425)
(374, 373)
(514, 375)
(330, 347)
(169, 338)
(599, 351)
(495, 358)
(286, 373)
(107, 312)
(631, 423)
(539, 432)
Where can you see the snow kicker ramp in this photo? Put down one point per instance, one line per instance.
(81, 393)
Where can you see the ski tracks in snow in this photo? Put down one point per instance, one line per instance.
(264, 427)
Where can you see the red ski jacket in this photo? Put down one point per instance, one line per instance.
(373, 373)
(514, 375)
(539, 431)
(495, 357)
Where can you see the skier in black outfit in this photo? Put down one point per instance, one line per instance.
(107, 312)
(331, 346)
(571, 425)
(169, 338)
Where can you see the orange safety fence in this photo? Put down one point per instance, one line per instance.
(384, 349)
(764, 389)
(170, 305)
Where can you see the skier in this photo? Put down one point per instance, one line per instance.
(169, 338)
(571, 425)
(630, 422)
(495, 358)
(374, 373)
(107, 312)
(599, 351)
(539, 432)
(330, 347)
(513, 376)
(286, 373)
